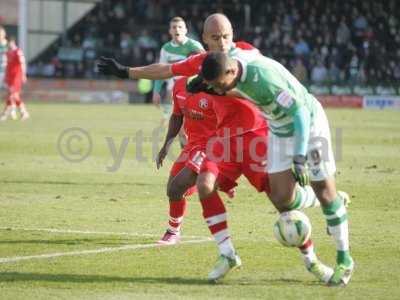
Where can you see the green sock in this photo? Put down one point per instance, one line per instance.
(336, 217)
(343, 257)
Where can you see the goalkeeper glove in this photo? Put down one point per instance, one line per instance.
(109, 66)
(299, 170)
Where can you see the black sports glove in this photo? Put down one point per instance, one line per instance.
(109, 66)
(299, 170)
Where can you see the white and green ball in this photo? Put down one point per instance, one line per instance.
(292, 229)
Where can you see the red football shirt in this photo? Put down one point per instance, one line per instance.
(236, 116)
(15, 67)
(199, 117)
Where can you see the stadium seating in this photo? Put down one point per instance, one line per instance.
(356, 42)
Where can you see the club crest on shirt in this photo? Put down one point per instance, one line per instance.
(203, 103)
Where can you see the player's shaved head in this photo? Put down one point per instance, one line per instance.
(215, 21)
(218, 33)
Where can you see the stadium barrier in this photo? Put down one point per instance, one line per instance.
(381, 102)
(342, 101)
(124, 91)
(78, 90)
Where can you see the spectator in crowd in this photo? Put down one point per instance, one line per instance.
(334, 75)
(300, 70)
(319, 73)
(301, 48)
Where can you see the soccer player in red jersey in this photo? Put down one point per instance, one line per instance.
(210, 126)
(15, 76)
(217, 34)
(195, 112)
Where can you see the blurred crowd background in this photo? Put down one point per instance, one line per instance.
(341, 41)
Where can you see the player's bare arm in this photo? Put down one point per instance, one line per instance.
(174, 126)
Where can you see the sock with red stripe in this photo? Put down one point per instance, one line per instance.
(307, 250)
(177, 210)
(214, 213)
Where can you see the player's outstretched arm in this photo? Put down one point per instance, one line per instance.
(174, 126)
(153, 72)
(109, 66)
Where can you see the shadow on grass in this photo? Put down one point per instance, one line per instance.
(83, 278)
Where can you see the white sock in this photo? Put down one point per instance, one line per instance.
(226, 248)
(308, 253)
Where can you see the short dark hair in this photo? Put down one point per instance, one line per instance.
(214, 65)
(177, 19)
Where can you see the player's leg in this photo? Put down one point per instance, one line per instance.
(21, 106)
(215, 215)
(322, 169)
(10, 108)
(335, 213)
(179, 187)
(181, 183)
(286, 195)
(3, 95)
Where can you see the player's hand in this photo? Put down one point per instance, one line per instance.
(156, 99)
(24, 79)
(109, 66)
(161, 156)
(299, 170)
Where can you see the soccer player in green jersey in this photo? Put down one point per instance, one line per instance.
(178, 48)
(299, 138)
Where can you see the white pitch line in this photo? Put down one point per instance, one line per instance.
(4, 260)
(55, 230)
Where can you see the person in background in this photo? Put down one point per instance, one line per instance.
(178, 48)
(15, 77)
(3, 58)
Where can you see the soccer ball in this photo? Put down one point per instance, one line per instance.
(292, 229)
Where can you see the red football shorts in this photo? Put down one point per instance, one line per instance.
(246, 154)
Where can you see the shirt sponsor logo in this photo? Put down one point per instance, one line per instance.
(285, 100)
(193, 114)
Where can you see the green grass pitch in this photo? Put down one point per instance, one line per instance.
(85, 211)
